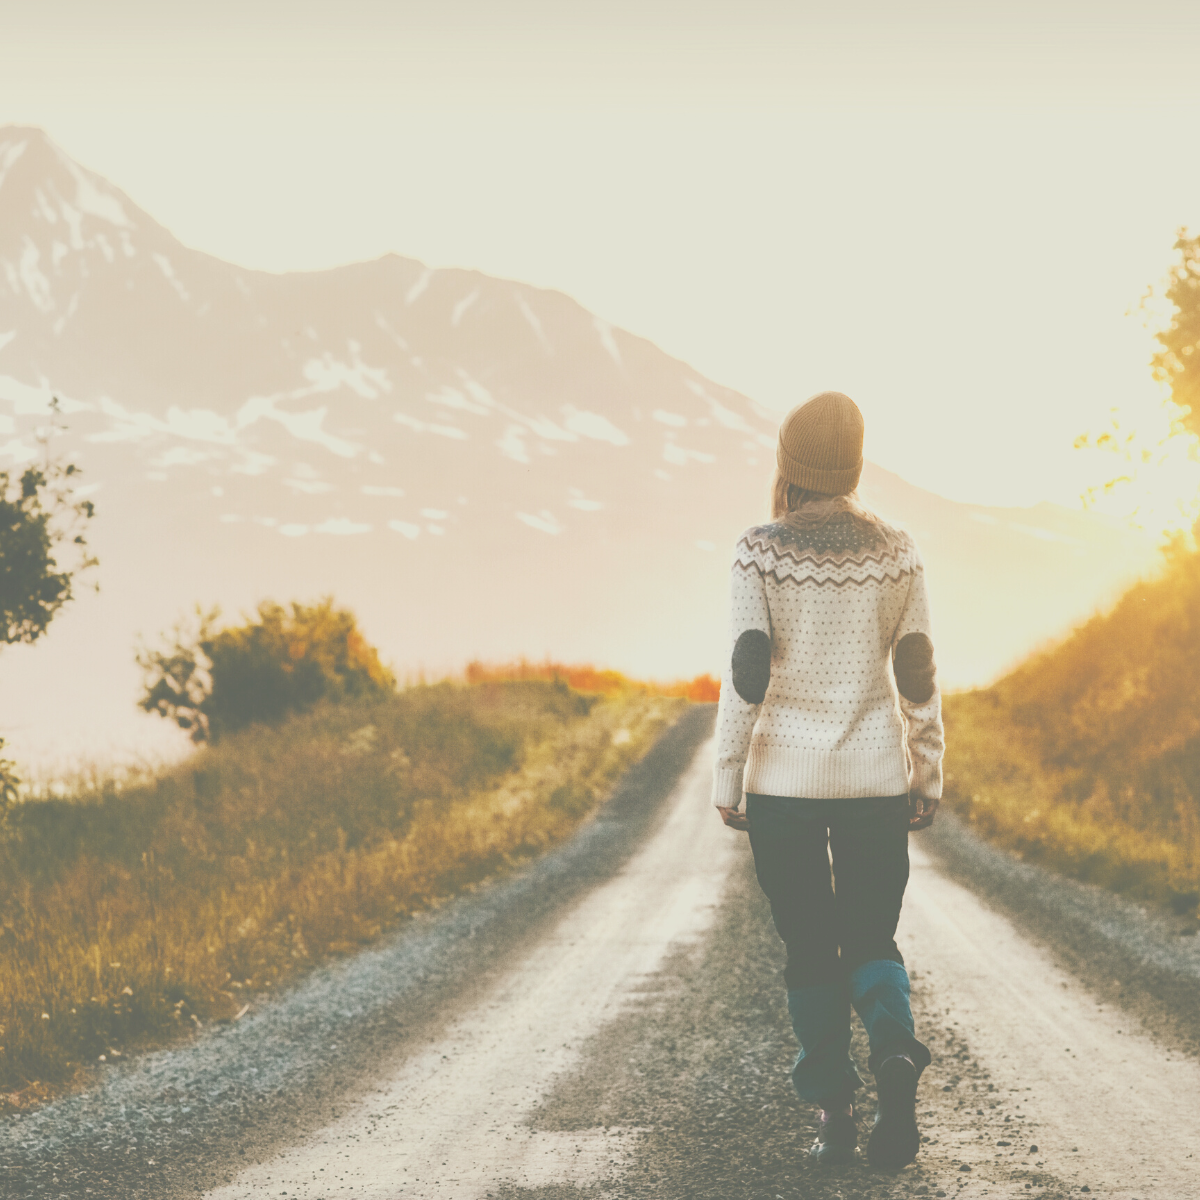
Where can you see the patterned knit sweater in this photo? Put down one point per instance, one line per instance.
(822, 620)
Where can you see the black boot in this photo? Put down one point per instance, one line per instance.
(837, 1137)
(895, 1139)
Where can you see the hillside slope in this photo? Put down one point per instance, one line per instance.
(1088, 755)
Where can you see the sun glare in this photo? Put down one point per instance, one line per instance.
(1148, 468)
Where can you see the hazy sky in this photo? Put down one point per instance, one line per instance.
(946, 210)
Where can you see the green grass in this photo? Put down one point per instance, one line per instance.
(1087, 757)
(131, 913)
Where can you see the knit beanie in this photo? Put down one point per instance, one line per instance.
(820, 444)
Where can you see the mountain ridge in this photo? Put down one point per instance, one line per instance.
(478, 466)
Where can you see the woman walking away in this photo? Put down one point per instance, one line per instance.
(828, 605)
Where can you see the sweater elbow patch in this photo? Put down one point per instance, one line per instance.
(752, 665)
(916, 673)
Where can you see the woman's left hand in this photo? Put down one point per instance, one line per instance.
(921, 811)
(734, 818)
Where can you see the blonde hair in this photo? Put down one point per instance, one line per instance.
(787, 497)
(804, 509)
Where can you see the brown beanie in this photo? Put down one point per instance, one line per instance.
(820, 444)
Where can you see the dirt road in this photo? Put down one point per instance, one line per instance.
(627, 1037)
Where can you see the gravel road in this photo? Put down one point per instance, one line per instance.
(611, 1023)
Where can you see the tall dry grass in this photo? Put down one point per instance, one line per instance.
(128, 913)
(1087, 757)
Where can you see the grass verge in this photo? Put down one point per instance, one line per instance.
(1087, 757)
(132, 913)
(1064, 818)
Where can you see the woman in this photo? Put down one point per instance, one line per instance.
(828, 604)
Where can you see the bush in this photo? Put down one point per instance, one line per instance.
(584, 677)
(213, 682)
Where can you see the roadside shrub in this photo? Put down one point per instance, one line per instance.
(584, 677)
(212, 681)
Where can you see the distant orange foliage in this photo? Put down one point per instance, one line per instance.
(584, 677)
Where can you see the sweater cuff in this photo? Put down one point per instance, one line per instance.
(727, 787)
(926, 780)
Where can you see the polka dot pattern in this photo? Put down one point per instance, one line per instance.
(835, 601)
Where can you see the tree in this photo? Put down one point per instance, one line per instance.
(1154, 447)
(1178, 362)
(43, 548)
(212, 681)
(38, 517)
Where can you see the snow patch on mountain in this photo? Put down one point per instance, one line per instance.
(593, 425)
(341, 526)
(512, 444)
(478, 392)
(453, 398)
(580, 501)
(459, 310)
(30, 400)
(419, 287)
(546, 428)
(677, 456)
(251, 462)
(44, 207)
(544, 520)
(17, 451)
(669, 418)
(72, 307)
(450, 431)
(327, 374)
(534, 322)
(164, 265)
(310, 487)
(181, 456)
(605, 330)
(303, 426)
(9, 153)
(37, 286)
(92, 200)
(204, 425)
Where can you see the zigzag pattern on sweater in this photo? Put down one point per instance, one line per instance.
(792, 577)
(836, 555)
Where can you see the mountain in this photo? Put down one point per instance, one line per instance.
(477, 466)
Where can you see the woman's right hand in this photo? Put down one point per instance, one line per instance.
(734, 818)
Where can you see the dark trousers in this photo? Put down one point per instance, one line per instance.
(839, 928)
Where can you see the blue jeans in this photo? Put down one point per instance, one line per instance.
(839, 929)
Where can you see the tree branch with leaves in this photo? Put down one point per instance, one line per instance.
(1154, 447)
(43, 550)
